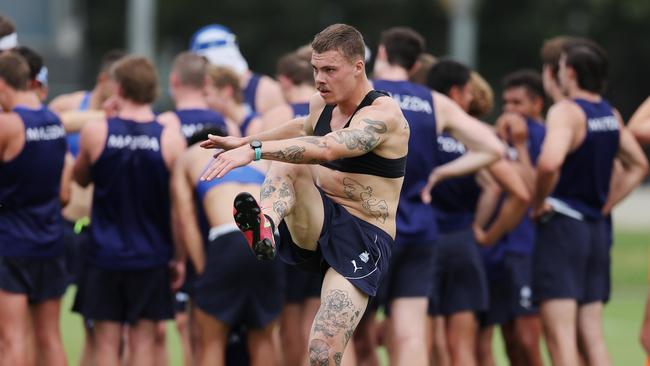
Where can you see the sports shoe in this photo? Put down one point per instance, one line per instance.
(254, 225)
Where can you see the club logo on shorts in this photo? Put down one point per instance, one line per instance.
(354, 263)
(525, 297)
(365, 257)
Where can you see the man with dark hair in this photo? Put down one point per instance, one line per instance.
(32, 266)
(219, 45)
(8, 37)
(455, 300)
(37, 71)
(511, 295)
(410, 274)
(571, 256)
(451, 78)
(333, 189)
(127, 275)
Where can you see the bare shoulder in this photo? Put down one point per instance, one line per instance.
(387, 110)
(169, 119)
(268, 85)
(566, 110)
(94, 131)
(67, 102)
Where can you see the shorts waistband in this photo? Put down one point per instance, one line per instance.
(563, 208)
(221, 230)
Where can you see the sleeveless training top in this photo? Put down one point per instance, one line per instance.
(195, 120)
(131, 206)
(586, 172)
(30, 211)
(368, 163)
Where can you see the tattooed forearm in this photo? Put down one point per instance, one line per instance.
(291, 154)
(375, 207)
(314, 141)
(319, 353)
(338, 356)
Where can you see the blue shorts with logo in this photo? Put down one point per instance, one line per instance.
(459, 280)
(355, 248)
(235, 287)
(571, 260)
(510, 290)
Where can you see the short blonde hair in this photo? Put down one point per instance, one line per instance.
(221, 77)
(483, 96)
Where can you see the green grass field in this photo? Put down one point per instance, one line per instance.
(623, 315)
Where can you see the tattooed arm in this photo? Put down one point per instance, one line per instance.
(362, 136)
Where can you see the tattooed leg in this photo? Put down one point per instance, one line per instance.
(289, 194)
(342, 306)
(277, 196)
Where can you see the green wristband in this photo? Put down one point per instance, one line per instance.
(258, 154)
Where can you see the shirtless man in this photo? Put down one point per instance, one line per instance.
(337, 214)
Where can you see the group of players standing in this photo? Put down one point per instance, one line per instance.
(514, 233)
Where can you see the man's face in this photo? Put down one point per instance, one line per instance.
(334, 75)
(518, 100)
(215, 97)
(462, 95)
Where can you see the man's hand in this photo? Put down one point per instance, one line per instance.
(177, 275)
(223, 142)
(111, 106)
(425, 193)
(225, 161)
(481, 236)
(512, 127)
(538, 211)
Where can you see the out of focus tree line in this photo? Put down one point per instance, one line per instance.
(510, 32)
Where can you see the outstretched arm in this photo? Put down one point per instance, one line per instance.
(363, 135)
(483, 146)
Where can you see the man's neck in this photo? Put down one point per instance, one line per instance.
(136, 112)
(189, 99)
(393, 73)
(235, 112)
(300, 94)
(27, 99)
(348, 106)
(578, 93)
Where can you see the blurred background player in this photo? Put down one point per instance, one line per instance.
(456, 299)
(127, 275)
(571, 256)
(32, 265)
(8, 36)
(188, 79)
(409, 279)
(224, 95)
(37, 71)
(219, 45)
(233, 288)
(511, 305)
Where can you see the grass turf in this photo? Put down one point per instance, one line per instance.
(623, 314)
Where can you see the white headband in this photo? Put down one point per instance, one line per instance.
(9, 41)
